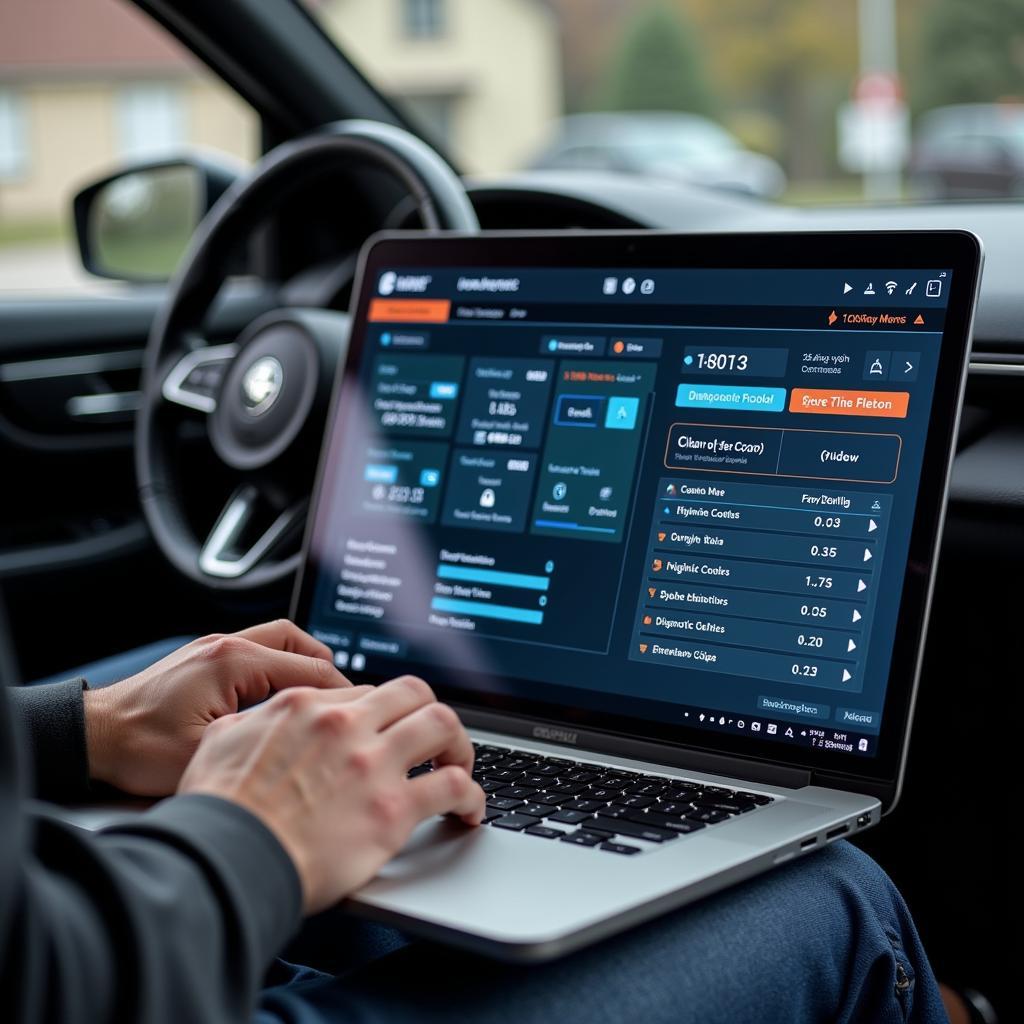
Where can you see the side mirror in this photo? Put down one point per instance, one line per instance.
(135, 224)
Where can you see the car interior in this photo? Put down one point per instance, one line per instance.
(131, 516)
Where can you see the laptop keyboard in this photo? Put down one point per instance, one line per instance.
(594, 805)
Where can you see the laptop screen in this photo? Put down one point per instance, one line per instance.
(668, 494)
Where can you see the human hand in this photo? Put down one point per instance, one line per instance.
(326, 772)
(142, 731)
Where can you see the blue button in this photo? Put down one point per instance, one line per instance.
(708, 396)
(579, 410)
(380, 474)
(621, 414)
(444, 389)
(430, 477)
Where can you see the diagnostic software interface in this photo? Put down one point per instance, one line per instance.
(685, 494)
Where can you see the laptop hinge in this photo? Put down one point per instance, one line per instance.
(638, 749)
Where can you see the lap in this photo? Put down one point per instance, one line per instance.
(828, 938)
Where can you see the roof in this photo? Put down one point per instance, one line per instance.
(67, 37)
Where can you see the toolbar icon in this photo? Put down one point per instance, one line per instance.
(832, 318)
(772, 728)
(646, 286)
(870, 290)
(910, 290)
(629, 286)
(933, 289)
(891, 286)
(610, 286)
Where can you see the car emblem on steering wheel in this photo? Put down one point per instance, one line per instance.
(262, 384)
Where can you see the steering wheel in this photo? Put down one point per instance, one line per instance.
(263, 398)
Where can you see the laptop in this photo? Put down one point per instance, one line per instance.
(659, 515)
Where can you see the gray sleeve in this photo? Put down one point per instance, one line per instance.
(51, 719)
(172, 917)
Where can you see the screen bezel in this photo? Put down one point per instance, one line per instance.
(959, 251)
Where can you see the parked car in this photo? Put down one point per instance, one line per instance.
(686, 147)
(969, 151)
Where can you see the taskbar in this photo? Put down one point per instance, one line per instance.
(799, 733)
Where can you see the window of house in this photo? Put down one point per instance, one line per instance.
(110, 87)
(423, 19)
(151, 120)
(13, 135)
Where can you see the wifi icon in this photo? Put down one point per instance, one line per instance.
(890, 286)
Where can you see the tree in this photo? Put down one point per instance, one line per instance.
(658, 66)
(971, 52)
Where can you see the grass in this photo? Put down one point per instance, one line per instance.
(837, 192)
(35, 230)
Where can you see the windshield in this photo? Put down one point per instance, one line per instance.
(799, 101)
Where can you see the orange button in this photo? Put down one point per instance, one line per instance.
(891, 404)
(420, 311)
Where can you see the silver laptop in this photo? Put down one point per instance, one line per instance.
(659, 515)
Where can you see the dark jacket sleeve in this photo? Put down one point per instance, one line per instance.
(172, 917)
(51, 719)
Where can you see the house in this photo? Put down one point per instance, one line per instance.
(490, 107)
(87, 84)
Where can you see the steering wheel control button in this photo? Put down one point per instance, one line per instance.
(261, 385)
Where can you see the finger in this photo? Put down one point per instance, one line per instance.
(284, 635)
(448, 790)
(254, 671)
(341, 695)
(432, 732)
(395, 699)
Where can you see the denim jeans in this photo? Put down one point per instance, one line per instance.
(826, 938)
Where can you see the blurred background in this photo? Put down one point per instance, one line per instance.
(794, 101)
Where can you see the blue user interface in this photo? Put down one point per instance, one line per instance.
(682, 495)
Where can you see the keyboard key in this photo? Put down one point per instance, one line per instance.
(759, 798)
(515, 822)
(635, 801)
(513, 762)
(505, 775)
(621, 826)
(673, 810)
(681, 825)
(567, 788)
(539, 810)
(517, 792)
(582, 839)
(559, 762)
(582, 776)
(646, 789)
(490, 813)
(718, 791)
(531, 778)
(583, 805)
(544, 832)
(709, 817)
(486, 748)
(569, 817)
(620, 848)
(547, 770)
(603, 793)
(503, 803)
(683, 794)
(729, 806)
(488, 785)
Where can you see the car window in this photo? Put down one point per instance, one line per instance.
(814, 100)
(86, 86)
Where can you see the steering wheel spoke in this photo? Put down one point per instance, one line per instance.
(248, 529)
(193, 382)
